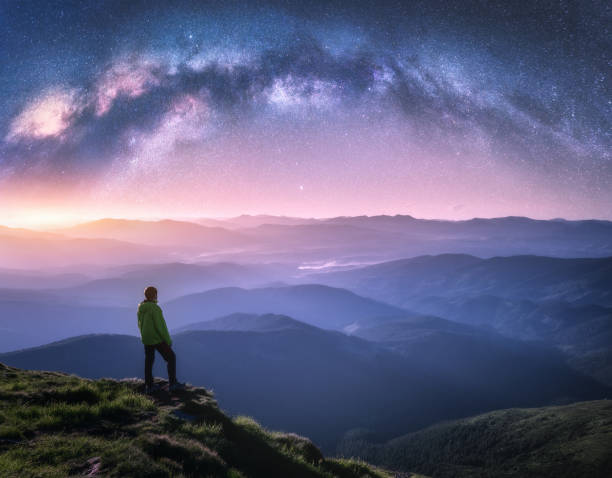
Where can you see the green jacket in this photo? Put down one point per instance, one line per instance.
(152, 325)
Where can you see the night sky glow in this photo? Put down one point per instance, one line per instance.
(305, 108)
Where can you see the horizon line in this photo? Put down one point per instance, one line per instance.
(72, 222)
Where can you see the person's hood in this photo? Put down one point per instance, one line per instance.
(147, 304)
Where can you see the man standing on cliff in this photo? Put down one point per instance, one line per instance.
(155, 336)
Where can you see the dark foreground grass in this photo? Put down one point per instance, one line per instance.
(56, 425)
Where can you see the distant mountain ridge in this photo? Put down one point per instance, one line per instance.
(173, 280)
(40, 250)
(566, 303)
(399, 282)
(274, 239)
(248, 323)
(583, 332)
(30, 318)
(162, 233)
(315, 304)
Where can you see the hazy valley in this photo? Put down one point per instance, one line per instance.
(360, 333)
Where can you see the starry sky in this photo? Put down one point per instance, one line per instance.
(432, 108)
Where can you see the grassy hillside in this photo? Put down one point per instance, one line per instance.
(566, 441)
(56, 425)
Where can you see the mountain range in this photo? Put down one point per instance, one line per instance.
(375, 336)
(404, 282)
(30, 318)
(279, 239)
(323, 383)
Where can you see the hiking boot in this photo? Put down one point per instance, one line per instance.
(176, 386)
(149, 389)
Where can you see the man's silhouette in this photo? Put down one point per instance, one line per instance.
(155, 336)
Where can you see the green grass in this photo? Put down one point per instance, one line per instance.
(563, 441)
(56, 425)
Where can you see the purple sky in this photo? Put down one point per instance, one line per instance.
(433, 109)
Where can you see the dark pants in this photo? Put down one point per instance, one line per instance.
(169, 356)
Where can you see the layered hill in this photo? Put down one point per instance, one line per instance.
(565, 441)
(565, 303)
(40, 250)
(481, 366)
(39, 279)
(158, 233)
(388, 237)
(272, 239)
(173, 280)
(28, 320)
(322, 383)
(405, 282)
(56, 425)
(31, 318)
(319, 305)
(249, 323)
(582, 332)
(490, 237)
